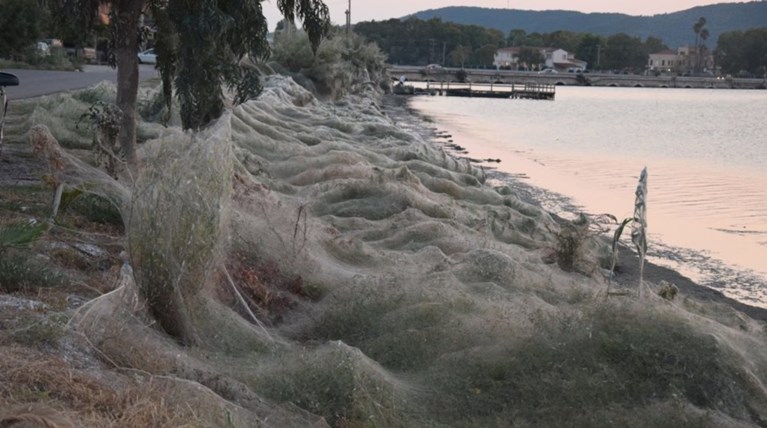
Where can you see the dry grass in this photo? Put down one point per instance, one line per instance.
(88, 399)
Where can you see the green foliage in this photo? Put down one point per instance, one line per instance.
(22, 23)
(45, 330)
(417, 42)
(590, 49)
(745, 51)
(200, 46)
(531, 58)
(314, 15)
(103, 117)
(673, 28)
(17, 269)
(342, 64)
(484, 56)
(460, 55)
(97, 209)
(20, 234)
(624, 52)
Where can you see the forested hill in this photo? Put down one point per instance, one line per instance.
(674, 28)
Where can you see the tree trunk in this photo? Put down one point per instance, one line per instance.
(126, 56)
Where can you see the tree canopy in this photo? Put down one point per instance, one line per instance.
(743, 52)
(200, 46)
(417, 42)
(22, 23)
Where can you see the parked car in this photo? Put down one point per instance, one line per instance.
(147, 57)
(433, 68)
(54, 43)
(575, 70)
(43, 49)
(548, 71)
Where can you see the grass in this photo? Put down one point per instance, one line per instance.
(18, 268)
(45, 330)
(97, 209)
(31, 376)
(54, 63)
(610, 359)
(20, 271)
(33, 201)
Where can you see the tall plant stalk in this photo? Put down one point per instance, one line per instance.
(638, 230)
(639, 225)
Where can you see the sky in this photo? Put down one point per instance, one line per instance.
(379, 10)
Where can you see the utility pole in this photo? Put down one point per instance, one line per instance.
(349, 19)
(444, 49)
(432, 47)
(599, 55)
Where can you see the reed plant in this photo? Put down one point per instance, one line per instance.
(638, 223)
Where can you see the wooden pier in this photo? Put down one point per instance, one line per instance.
(532, 91)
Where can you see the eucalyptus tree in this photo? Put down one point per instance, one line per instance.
(200, 44)
(460, 55)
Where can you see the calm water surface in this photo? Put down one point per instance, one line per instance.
(705, 150)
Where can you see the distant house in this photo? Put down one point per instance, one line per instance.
(561, 60)
(665, 61)
(507, 58)
(558, 59)
(680, 61)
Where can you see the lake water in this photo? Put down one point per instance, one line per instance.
(705, 150)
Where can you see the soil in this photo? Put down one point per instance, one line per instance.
(18, 167)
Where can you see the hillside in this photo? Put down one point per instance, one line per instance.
(674, 28)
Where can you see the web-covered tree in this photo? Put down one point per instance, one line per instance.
(200, 45)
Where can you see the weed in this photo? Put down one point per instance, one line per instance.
(20, 234)
(18, 272)
(266, 289)
(43, 331)
(97, 209)
(668, 291)
(573, 239)
(639, 227)
(104, 119)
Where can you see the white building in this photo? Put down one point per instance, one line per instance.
(682, 60)
(558, 59)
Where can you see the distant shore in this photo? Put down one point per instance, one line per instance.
(627, 272)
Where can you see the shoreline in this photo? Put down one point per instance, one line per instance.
(399, 109)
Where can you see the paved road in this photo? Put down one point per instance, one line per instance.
(33, 83)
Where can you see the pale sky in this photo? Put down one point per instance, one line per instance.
(366, 10)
